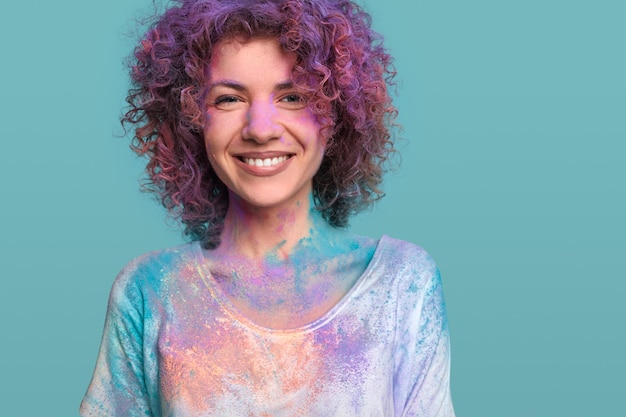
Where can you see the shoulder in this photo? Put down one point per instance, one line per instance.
(405, 257)
(154, 270)
(417, 285)
(163, 259)
(406, 269)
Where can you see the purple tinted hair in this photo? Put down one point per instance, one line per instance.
(341, 63)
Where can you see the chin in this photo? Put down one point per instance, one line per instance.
(260, 199)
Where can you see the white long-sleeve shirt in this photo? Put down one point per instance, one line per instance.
(175, 346)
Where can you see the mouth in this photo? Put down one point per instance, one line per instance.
(264, 162)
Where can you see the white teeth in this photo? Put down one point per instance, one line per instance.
(267, 162)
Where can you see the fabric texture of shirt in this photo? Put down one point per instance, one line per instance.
(175, 346)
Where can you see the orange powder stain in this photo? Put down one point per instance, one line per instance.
(235, 365)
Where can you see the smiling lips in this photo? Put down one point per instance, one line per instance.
(264, 165)
(265, 162)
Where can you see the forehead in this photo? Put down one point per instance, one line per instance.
(232, 58)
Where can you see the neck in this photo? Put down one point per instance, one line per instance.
(285, 268)
(273, 233)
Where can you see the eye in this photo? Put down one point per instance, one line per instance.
(295, 100)
(226, 101)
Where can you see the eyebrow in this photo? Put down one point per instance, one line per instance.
(285, 85)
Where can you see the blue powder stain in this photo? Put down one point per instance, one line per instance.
(311, 254)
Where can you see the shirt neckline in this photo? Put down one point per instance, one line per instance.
(231, 310)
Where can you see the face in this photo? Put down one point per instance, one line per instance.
(261, 139)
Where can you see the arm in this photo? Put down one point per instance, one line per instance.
(118, 386)
(422, 378)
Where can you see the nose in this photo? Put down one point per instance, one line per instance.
(262, 123)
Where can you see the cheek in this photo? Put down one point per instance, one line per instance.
(220, 128)
(211, 149)
(213, 140)
(207, 145)
(310, 129)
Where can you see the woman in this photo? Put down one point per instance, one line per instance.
(266, 124)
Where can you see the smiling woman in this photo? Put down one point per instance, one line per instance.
(262, 140)
(267, 125)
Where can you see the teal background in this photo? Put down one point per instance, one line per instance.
(512, 177)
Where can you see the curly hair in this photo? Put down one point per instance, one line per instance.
(341, 65)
